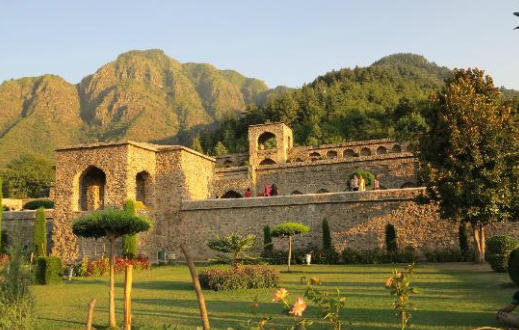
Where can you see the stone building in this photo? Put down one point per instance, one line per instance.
(191, 197)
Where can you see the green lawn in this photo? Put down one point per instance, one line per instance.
(456, 296)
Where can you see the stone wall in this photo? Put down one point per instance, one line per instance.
(20, 224)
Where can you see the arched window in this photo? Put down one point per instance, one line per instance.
(299, 160)
(92, 189)
(143, 186)
(408, 185)
(331, 154)
(381, 150)
(322, 191)
(315, 156)
(396, 148)
(267, 161)
(232, 194)
(349, 153)
(267, 141)
(228, 163)
(365, 152)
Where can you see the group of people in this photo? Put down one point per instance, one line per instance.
(269, 190)
(358, 183)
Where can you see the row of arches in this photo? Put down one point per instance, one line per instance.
(92, 189)
(349, 153)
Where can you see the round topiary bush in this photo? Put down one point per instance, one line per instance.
(513, 266)
(499, 249)
(37, 203)
(368, 176)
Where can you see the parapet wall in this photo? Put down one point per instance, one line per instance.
(20, 224)
(357, 220)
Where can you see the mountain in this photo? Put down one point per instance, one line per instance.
(142, 95)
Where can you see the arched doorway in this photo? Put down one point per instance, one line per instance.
(267, 141)
(232, 194)
(267, 161)
(92, 189)
(143, 186)
(381, 150)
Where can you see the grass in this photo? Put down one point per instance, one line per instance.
(456, 296)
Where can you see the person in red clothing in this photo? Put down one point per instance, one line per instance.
(248, 193)
(267, 190)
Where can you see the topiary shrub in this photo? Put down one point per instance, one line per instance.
(130, 243)
(327, 235)
(37, 203)
(513, 266)
(445, 255)
(368, 177)
(391, 239)
(287, 230)
(48, 270)
(499, 248)
(268, 245)
(252, 277)
(39, 240)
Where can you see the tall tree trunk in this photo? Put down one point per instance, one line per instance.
(198, 288)
(128, 297)
(113, 324)
(90, 316)
(289, 251)
(479, 242)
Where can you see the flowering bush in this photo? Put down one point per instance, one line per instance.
(252, 277)
(400, 288)
(4, 259)
(102, 266)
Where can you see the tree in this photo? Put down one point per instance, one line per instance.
(287, 230)
(1, 211)
(233, 244)
(391, 239)
(130, 243)
(468, 155)
(40, 233)
(27, 176)
(220, 149)
(197, 144)
(110, 224)
(268, 246)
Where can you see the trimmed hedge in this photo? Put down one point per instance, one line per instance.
(499, 249)
(37, 203)
(48, 270)
(446, 255)
(513, 266)
(252, 277)
(377, 256)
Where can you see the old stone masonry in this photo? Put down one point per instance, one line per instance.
(192, 197)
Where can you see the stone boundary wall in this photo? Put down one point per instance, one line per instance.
(21, 223)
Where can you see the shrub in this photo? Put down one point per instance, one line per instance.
(40, 233)
(4, 241)
(287, 230)
(48, 270)
(377, 256)
(513, 266)
(233, 244)
(391, 238)
(499, 249)
(251, 277)
(327, 235)
(37, 203)
(4, 259)
(268, 245)
(102, 266)
(445, 255)
(129, 245)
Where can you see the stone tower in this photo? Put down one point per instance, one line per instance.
(269, 143)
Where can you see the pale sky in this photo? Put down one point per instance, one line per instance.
(283, 42)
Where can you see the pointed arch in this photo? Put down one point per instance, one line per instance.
(396, 148)
(267, 161)
(267, 141)
(232, 194)
(381, 150)
(92, 186)
(365, 151)
(349, 153)
(331, 154)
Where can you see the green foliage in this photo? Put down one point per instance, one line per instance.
(38, 203)
(197, 144)
(251, 277)
(513, 266)
(391, 239)
(109, 223)
(220, 149)
(377, 256)
(39, 240)
(463, 239)
(16, 302)
(288, 229)
(268, 245)
(499, 249)
(4, 241)
(327, 236)
(447, 255)
(367, 175)
(399, 286)
(27, 176)
(1, 212)
(329, 305)
(234, 244)
(130, 243)
(48, 270)
(466, 156)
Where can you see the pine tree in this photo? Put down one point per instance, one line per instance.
(220, 149)
(197, 145)
(391, 238)
(327, 236)
(40, 233)
(268, 246)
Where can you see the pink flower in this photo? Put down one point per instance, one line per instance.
(280, 294)
(299, 307)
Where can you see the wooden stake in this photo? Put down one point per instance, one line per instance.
(91, 307)
(198, 288)
(128, 280)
